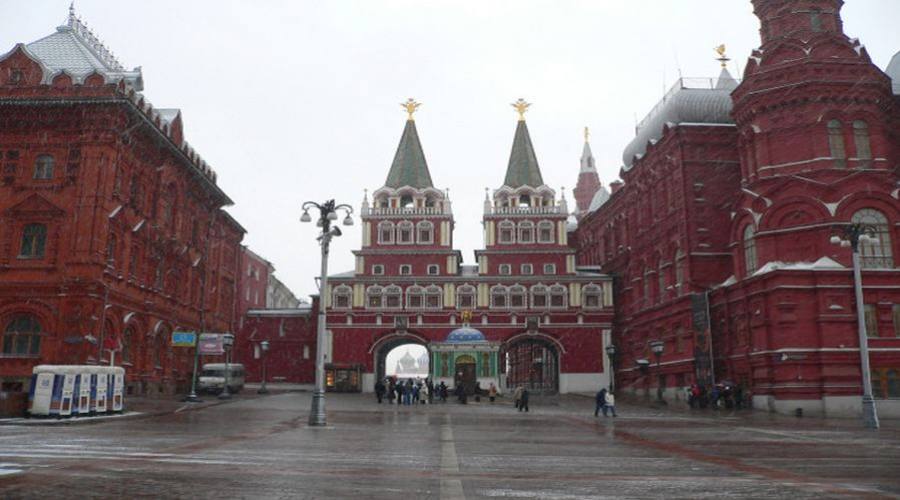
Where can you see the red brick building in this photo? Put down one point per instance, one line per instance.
(732, 191)
(522, 315)
(111, 225)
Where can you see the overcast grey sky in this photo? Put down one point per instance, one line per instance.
(299, 100)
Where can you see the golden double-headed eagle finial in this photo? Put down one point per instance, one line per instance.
(521, 107)
(721, 51)
(411, 107)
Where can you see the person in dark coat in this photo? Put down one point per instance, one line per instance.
(391, 391)
(600, 401)
(379, 390)
(430, 385)
(523, 403)
(443, 389)
(399, 390)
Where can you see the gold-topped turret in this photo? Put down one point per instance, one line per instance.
(587, 134)
(411, 107)
(521, 107)
(722, 58)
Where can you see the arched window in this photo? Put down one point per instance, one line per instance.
(374, 297)
(425, 231)
(393, 297)
(861, 140)
(465, 297)
(749, 250)
(127, 348)
(22, 336)
(499, 297)
(34, 240)
(385, 233)
(679, 271)
(415, 297)
(877, 255)
(592, 297)
(518, 297)
(660, 279)
(43, 167)
(545, 231)
(342, 297)
(434, 297)
(539, 296)
(558, 296)
(111, 249)
(507, 232)
(405, 232)
(526, 232)
(836, 143)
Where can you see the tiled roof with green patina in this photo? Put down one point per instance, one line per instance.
(409, 167)
(523, 169)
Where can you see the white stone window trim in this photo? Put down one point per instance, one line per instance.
(433, 269)
(545, 224)
(434, 291)
(412, 292)
(405, 225)
(542, 290)
(374, 291)
(506, 267)
(392, 290)
(385, 227)
(592, 289)
(517, 289)
(499, 290)
(378, 269)
(558, 290)
(551, 267)
(526, 269)
(525, 227)
(506, 224)
(342, 291)
(405, 270)
(423, 225)
(469, 290)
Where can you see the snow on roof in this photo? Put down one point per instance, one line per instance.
(345, 274)
(823, 264)
(600, 197)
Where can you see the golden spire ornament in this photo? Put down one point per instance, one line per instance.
(721, 51)
(411, 107)
(521, 107)
(587, 134)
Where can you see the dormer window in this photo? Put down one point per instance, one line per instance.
(405, 233)
(425, 232)
(545, 232)
(507, 232)
(43, 167)
(385, 233)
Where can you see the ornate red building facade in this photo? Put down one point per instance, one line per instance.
(522, 315)
(111, 225)
(732, 192)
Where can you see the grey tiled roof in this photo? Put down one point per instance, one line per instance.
(74, 49)
(688, 101)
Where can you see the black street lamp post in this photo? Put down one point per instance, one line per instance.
(851, 235)
(327, 214)
(264, 349)
(611, 354)
(658, 346)
(227, 342)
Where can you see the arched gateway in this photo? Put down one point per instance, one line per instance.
(385, 345)
(532, 362)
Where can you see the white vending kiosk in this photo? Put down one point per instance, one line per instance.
(82, 403)
(43, 397)
(101, 379)
(117, 388)
(68, 389)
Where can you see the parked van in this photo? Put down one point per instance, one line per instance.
(212, 378)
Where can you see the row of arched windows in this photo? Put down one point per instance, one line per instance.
(501, 297)
(405, 233)
(668, 279)
(509, 232)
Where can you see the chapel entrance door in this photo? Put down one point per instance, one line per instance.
(465, 373)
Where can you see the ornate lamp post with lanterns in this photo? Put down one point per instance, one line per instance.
(328, 212)
(851, 235)
(658, 346)
(611, 354)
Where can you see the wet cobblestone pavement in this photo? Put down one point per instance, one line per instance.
(260, 447)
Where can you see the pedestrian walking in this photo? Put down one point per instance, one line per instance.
(600, 402)
(610, 404)
(391, 391)
(443, 391)
(430, 385)
(424, 394)
(398, 388)
(492, 392)
(523, 403)
(517, 396)
(379, 390)
(416, 389)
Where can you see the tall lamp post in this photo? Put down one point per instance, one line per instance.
(658, 346)
(851, 235)
(611, 354)
(264, 349)
(227, 342)
(327, 214)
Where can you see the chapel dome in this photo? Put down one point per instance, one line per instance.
(466, 334)
(893, 71)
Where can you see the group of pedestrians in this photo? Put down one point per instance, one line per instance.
(521, 398)
(409, 391)
(721, 395)
(605, 402)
